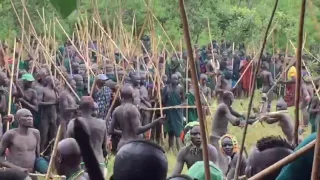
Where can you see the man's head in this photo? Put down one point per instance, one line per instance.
(41, 74)
(147, 158)
(82, 69)
(68, 156)
(79, 81)
(195, 134)
(127, 93)
(269, 150)
(48, 81)
(174, 79)
(203, 79)
(75, 67)
(228, 145)
(86, 104)
(27, 80)
(135, 79)
(73, 84)
(109, 68)
(228, 97)
(164, 78)
(25, 118)
(101, 80)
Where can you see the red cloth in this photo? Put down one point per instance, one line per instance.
(289, 97)
(246, 79)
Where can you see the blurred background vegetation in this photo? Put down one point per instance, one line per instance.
(239, 21)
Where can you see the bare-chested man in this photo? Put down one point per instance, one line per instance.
(68, 159)
(222, 117)
(222, 85)
(95, 127)
(267, 82)
(173, 95)
(284, 120)
(48, 103)
(23, 144)
(192, 153)
(67, 104)
(135, 83)
(127, 117)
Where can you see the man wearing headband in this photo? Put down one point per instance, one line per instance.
(229, 148)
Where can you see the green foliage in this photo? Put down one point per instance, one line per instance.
(235, 21)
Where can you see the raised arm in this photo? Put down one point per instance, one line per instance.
(231, 118)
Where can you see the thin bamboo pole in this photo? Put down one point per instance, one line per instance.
(54, 152)
(298, 67)
(11, 81)
(196, 87)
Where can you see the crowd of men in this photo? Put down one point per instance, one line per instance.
(118, 103)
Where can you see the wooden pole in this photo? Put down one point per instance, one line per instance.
(253, 87)
(196, 88)
(11, 81)
(54, 152)
(298, 67)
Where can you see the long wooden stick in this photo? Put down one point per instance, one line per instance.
(196, 88)
(54, 152)
(11, 81)
(298, 67)
(253, 87)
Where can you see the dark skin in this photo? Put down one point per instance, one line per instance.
(135, 82)
(29, 99)
(95, 127)
(188, 157)
(222, 117)
(23, 143)
(48, 102)
(127, 117)
(257, 161)
(67, 103)
(174, 86)
(227, 147)
(221, 85)
(68, 158)
(267, 82)
(284, 121)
